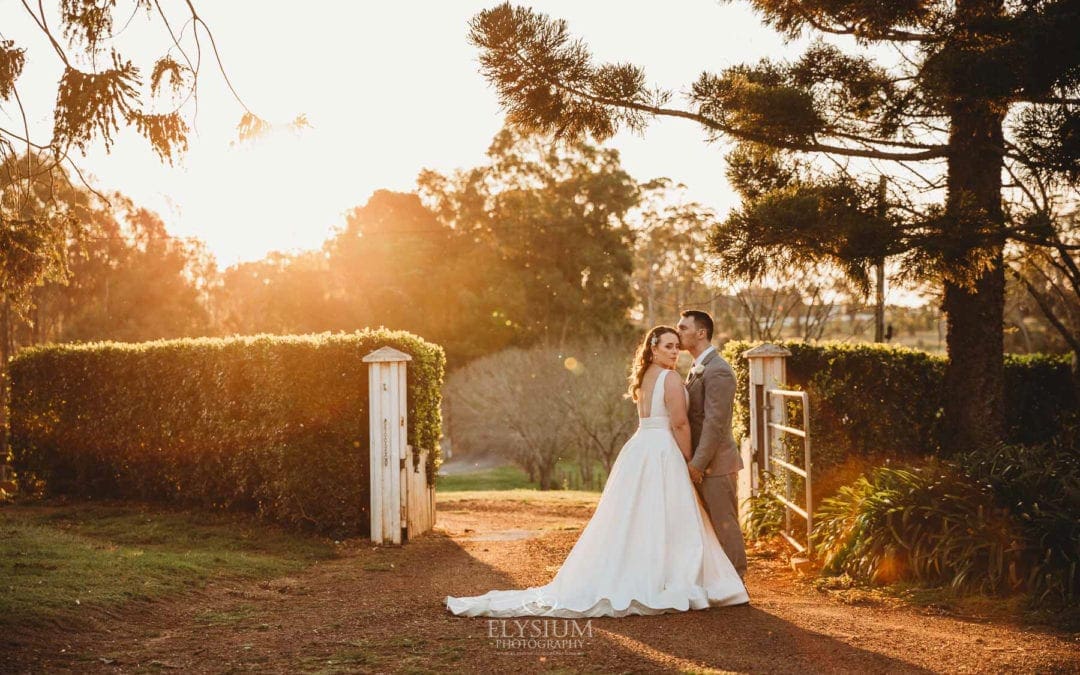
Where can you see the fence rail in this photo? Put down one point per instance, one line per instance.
(803, 472)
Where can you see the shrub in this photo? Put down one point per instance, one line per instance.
(1039, 485)
(873, 400)
(1040, 397)
(992, 521)
(272, 424)
(930, 525)
(542, 405)
(766, 512)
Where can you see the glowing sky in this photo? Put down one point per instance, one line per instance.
(389, 88)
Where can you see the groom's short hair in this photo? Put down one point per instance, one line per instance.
(701, 320)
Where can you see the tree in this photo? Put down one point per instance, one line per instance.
(980, 87)
(508, 404)
(1050, 275)
(554, 216)
(792, 216)
(669, 253)
(90, 106)
(798, 304)
(544, 404)
(128, 280)
(599, 415)
(282, 293)
(395, 263)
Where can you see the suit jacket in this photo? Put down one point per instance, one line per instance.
(712, 399)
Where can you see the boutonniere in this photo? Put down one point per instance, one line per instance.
(697, 370)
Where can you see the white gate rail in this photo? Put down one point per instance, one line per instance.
(773, 431)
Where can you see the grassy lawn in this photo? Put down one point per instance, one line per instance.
(508, 477)
(59, 561)
(525, 495)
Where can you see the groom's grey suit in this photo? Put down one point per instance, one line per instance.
(712, 399)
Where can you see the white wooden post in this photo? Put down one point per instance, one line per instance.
(387, 411)
(768, 370)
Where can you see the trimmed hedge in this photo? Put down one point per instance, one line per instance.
(272, 424)
(886, 401)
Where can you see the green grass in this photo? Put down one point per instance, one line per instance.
(228, 618)
(57, 562)
(525, 496)
(500, 478)
(509, 477)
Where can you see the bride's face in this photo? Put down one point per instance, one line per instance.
(666, 351)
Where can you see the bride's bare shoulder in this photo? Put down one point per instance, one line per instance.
(672, 382)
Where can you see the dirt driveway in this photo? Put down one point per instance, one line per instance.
(379, 609)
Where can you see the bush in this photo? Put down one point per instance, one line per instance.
(1040, 397)
(996, 521)
(273, 424)
(1039, 485)
(931, 525)
(873, 400)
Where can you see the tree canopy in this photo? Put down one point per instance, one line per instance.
(976, 109)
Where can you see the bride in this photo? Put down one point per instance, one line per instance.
(649, 547)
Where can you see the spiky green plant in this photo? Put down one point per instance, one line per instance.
(932, 525)
(1004, 519)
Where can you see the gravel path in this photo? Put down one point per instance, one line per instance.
(378, 609)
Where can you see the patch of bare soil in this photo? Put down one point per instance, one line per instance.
(380, 609)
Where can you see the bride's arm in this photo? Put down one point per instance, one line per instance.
(675, 400)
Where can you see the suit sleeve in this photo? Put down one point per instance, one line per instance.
(719, 386)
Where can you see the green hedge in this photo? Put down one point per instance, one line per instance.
(273, 424)
(882, 400)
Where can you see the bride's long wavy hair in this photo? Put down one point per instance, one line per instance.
(643, 358)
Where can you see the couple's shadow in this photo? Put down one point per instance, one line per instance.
(741, 639)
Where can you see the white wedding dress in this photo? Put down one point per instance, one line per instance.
(649, 547)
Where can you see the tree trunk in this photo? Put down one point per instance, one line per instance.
(585, 467)
(879, 271)
(5, 388)
(546, 472)
(974, 378)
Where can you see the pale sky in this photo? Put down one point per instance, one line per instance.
(390, 88)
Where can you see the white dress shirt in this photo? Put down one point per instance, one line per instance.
(701, 357)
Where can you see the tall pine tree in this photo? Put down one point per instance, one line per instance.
(985, 94)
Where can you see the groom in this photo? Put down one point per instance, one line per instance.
(716, 462)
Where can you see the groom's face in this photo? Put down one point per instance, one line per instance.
(689, 334)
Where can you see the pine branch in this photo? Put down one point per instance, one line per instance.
(1048, 312)
(744, 135)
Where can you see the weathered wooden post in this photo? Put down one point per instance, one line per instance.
(768, 370)
(387, 411)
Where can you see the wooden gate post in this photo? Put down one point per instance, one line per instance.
(768, 370)
(387, 412)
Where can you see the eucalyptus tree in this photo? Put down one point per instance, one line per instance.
(551, 220)
(99, 92)
(981, 97)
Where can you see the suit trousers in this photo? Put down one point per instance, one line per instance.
(720, 494)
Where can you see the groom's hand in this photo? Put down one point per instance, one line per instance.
(695, 474)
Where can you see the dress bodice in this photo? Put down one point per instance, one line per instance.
(658, 412)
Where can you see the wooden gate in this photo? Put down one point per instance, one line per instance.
(766, 450)
(785, 469)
